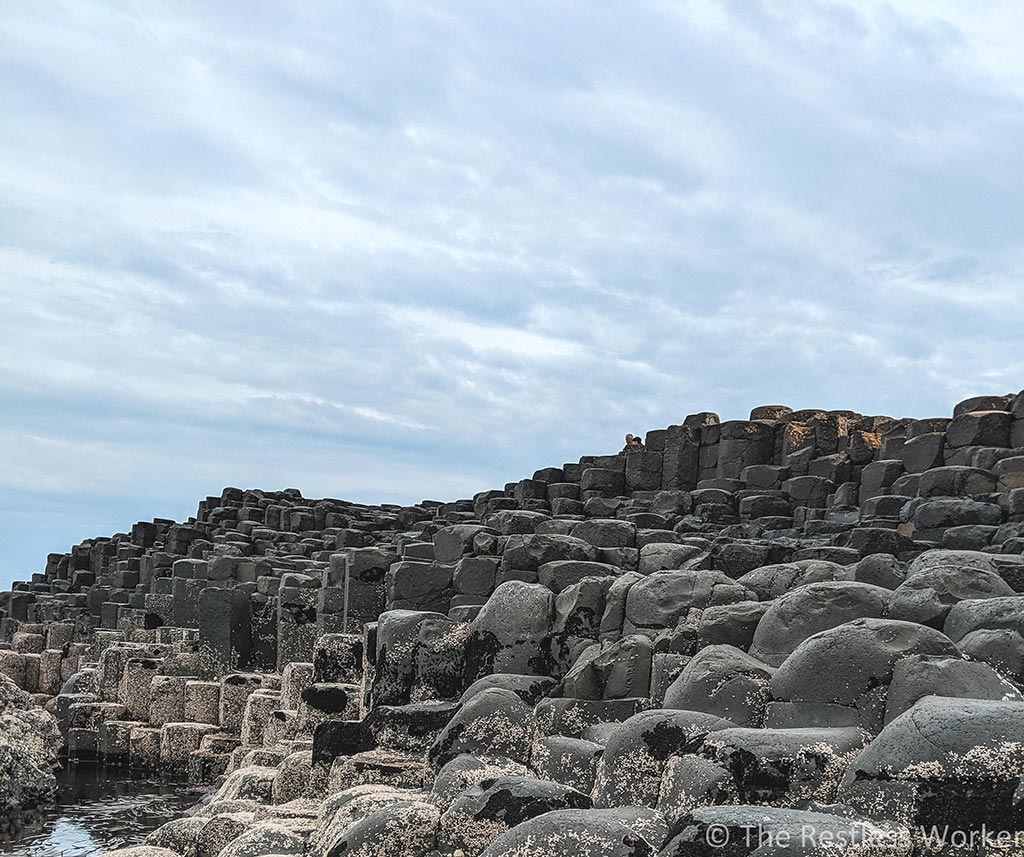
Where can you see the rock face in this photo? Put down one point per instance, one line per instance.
(944, 761)
(29, 741)
(808, 622)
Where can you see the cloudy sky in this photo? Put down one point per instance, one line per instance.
(403, 250)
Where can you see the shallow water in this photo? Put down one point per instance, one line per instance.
(99, 809)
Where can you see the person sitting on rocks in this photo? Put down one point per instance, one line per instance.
(632, 443)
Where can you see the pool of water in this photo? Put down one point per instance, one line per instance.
(99, 809)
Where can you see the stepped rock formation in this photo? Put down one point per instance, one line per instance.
(802, 633)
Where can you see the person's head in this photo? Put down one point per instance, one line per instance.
(630, 439)
(634, 440)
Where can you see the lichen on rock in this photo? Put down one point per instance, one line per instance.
(29, 743)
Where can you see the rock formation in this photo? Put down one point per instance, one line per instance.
(802, 629)
(29, 742)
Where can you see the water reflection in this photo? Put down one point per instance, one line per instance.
(99, 809)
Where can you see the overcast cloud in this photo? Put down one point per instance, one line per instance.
(406, 250)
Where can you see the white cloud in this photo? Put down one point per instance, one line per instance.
(392, 251)
(522, 344)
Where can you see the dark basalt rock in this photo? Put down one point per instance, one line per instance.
(724, 681)
(493, 722)
(944, 761)
(569, 761)
(404, 827)
(29, 742)
(530, 688)
(476, 816)
(927, 596)
(839, 677)
(808, 617)
(772, 581)
(784, 767)
(802, 612)
(637, 750)
(572, 833)
(743, 830)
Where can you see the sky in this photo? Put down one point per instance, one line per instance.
(395, 251)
